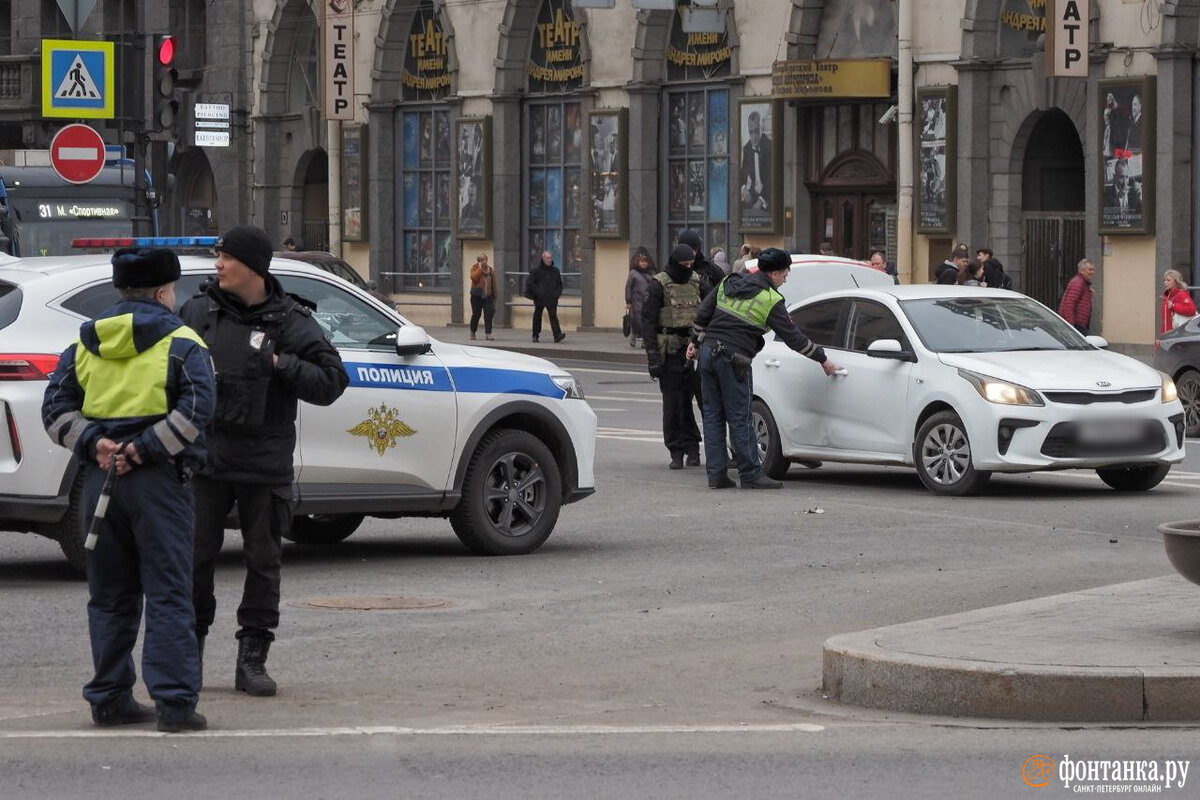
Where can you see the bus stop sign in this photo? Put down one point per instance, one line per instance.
(77, 153)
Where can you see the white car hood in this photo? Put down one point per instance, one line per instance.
(1060, 370)
(501, 359)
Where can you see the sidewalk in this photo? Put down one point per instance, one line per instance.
(1128, 652)
(591, 345)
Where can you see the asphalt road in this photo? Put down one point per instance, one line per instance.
(665, 642)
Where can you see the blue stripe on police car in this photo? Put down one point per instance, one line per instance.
(485, 380)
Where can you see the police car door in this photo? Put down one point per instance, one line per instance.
(392, 433)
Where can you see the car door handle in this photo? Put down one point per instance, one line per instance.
(771, 362)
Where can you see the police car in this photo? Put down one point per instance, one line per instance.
(495, 441)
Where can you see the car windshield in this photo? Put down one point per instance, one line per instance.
(989, 325)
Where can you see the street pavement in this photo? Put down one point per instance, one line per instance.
(1114, 653)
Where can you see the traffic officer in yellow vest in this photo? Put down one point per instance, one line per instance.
(672, 297)
(131, 399)
(728, 332)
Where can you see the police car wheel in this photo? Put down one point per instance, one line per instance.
(71, 531)
(511, 495)
(766, 435)
(322, 528)
(942, 454)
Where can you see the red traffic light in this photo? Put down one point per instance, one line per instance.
(166, 50)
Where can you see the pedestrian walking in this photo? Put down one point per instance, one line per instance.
(269, 353)
(739, 263)
(131, 399)
(641, 273)
(1076, 304)
(1177, 303)
(728, 332)
(544, 285)
(671, 302)
(483, 295)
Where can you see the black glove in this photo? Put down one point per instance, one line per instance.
(655, 371)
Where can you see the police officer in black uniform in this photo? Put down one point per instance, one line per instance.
(131, 399)
(269, 353)
(729, 329)
(672, 297)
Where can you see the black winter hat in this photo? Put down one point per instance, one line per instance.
(692, 240)
(683, 253)
(144, 268)
(773, 259)
(249, 245)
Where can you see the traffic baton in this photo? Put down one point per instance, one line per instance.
(101, 505)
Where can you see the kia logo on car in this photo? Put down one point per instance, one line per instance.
(1103, 384)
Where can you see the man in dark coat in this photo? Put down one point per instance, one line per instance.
(710, 274)
(269, 353)
(544, 286)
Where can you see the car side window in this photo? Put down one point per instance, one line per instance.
(94, 300)
(819, 321)
(347, 320)
(871, 322)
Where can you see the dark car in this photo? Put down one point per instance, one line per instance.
(338, 266)
(1177, 353)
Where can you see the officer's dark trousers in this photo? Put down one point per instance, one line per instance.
(265, 514)
(727, 402)
(144, 549)
(678, 383)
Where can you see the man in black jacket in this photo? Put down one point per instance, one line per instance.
(710, 274)
(993, 271)
(269, 353)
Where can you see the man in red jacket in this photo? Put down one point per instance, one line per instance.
(1076, 304)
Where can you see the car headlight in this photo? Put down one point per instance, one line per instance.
(569, 385)
(1169, 393)
(1003, 392)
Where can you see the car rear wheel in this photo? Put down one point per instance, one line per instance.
(511, 495)
(1188, 386)
(1134, 479)
(766, 434)
(323, 528)
(71, 531)
(943, 456)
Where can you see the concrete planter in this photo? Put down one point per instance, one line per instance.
(1182, 543)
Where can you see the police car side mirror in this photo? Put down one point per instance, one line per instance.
(412, 340)
(1097, 341)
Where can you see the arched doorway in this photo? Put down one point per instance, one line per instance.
(1052, 207)
(314, 203)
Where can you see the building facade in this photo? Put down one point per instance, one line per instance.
(510, 127)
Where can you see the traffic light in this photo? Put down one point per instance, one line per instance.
(166, 94)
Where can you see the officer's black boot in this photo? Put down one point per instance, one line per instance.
(179, 719)
(251, 676)
(122, 711)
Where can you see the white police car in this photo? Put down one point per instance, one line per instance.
(496, 441)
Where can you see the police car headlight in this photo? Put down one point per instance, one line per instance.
(574, 391)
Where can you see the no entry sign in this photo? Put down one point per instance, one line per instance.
(77, 153)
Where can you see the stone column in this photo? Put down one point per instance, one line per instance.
(382, 220)
(1173, 189)
(508, 201)
(643, 188)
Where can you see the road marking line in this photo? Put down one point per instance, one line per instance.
(450, 730)
(655, 400)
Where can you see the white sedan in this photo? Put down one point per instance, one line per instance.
(960, 382)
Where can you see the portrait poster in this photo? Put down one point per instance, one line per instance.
(760, 180)
(474, 180)
(1126, 156)
(607, 174)
(935, 170)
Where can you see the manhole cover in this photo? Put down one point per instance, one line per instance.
(378, 603)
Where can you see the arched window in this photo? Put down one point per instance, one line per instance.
(696, 130)
(425, 204)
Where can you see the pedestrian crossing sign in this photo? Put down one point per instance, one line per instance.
(78, 79)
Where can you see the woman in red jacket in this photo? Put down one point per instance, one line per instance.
(1177, 304)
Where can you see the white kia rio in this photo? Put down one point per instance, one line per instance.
(960, 382)
(495, 441)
